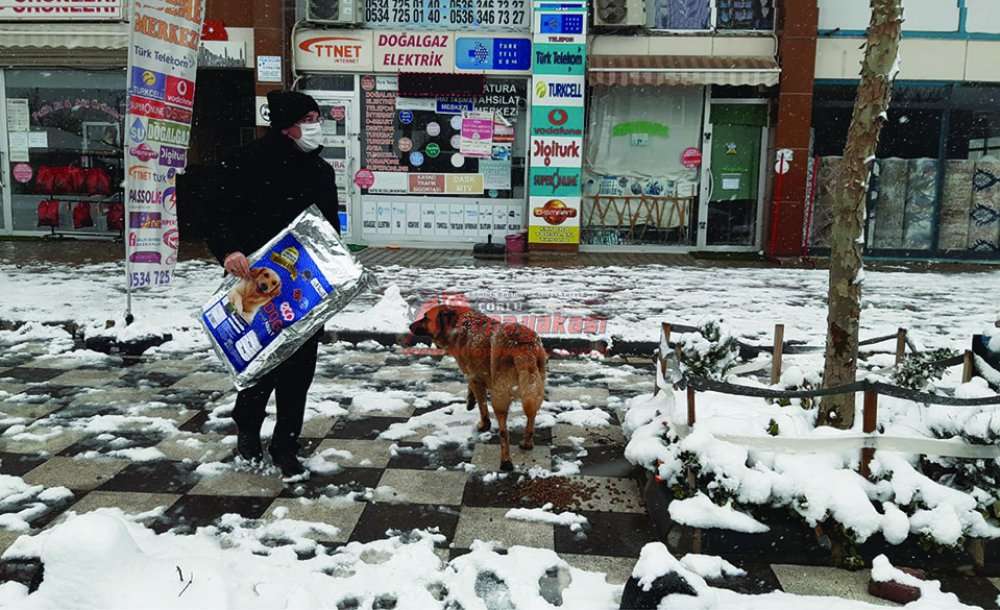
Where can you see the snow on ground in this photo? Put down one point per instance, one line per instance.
(940, 309)
(544, 514)
(103, 561)
(699, 511)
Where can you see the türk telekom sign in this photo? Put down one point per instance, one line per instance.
(60, 10)
(333, 50)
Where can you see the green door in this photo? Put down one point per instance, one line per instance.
(735, 171)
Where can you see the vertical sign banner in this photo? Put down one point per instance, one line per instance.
(162, 63)
(557, 127)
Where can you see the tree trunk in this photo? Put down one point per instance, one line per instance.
(878, 70)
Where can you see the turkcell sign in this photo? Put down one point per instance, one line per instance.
(499, 54)
(558, 91)
(559, 59)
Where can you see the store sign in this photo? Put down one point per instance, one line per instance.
(435, 15)
(345, 50)
(557, 125)
(557, 59)
(163, 61)
(503, 55)
(557, 121)
(60, 10)
(414, 52)
(562, 90)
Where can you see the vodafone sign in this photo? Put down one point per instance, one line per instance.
(333, 50)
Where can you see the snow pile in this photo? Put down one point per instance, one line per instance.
(391, 314)
(819, 487)
(710, 566)
(586, 418)
(544, 514)
(102, 561)
(931, 595)
(390, 401)
(699, 511)
(21, 503)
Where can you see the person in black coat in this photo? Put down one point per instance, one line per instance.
(264, 187)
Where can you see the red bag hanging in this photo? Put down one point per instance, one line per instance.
(81, 215)
(98, 181)
(116, 217)
(76, 179)
(48, 213)
(45, 180)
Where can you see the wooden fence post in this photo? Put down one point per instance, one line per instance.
(691, 414)
(779, 343)
(868, 426)
(968, 367)
(900, 345)
(665, 340)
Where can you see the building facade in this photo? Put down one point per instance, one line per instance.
(63, 103)
(666, 125)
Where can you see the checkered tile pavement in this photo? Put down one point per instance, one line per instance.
(77, 427)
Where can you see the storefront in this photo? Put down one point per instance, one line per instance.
(676, 151)
(935, 191)
(426, 129)
(61, 129)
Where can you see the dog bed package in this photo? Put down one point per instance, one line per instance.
(299, 279)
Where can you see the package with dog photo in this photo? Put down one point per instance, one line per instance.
(297, 281)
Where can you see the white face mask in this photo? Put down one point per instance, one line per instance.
(311, 136)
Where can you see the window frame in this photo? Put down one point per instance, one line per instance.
(713, 26)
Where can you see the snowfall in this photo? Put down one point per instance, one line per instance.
(108, 559)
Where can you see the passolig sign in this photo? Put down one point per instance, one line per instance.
(333, 50)
(414, 52)
(60, 10)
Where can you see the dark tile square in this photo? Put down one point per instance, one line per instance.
(27, 374)
(196, 423)
(377, 519)
(191, 512)
(364, 429)
(759, 580)
(599, 462)
(191, 399)
(543, 436)
(154, 477)
(612, 534)
(18, 464)
(53, 391)
(417, 457)
(152, 379)
(347, 479)
(971, 590)
(497, 493)
(92, 443)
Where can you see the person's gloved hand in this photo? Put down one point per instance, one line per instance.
(237, 264)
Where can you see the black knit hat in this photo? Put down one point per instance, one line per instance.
(288, 107)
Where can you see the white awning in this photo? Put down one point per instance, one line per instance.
(664, 70)
(106, 36)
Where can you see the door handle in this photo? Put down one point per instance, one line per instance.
(711, 185)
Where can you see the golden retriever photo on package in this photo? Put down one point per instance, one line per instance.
(252, 293)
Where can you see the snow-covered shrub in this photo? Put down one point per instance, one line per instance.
(919, 371)
(710, 352)
(795, 380)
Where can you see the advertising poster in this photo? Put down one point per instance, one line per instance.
(557, 108)
(162, 63)
(477, 134)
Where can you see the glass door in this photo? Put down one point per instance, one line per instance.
(338, 111)
(734, 174)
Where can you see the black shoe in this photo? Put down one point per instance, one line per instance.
(289, 465)
(248, 446)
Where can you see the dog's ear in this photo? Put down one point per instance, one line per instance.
(255, 272)
(445, 321)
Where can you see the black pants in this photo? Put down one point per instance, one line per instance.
(290, 381)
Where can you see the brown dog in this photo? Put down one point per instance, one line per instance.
(250, 294)
(506, 359)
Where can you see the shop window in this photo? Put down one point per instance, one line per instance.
(970, 206)
(641, 163)
(65, 129)
(711, 14)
